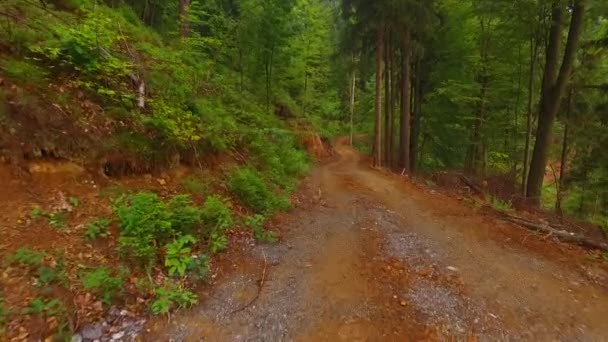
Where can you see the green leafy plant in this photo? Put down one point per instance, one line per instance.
(97, 228)
(218, 242)
(48, 275)
(24, 71)
(148, 222)
(198, 267)
(51, 308)
(75, 202)
(217, 218)
(172, 296)
(178, 255)
(256, 224)
(28, 257)
(58, 220)
(251, 189)
(38, 212)
(500, 205)
(101, 282)
(45, 308)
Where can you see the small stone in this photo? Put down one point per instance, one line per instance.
(77, 338)
(452, 268)
(161, 181)
(92, 332)
(118, 335)
(402, 303)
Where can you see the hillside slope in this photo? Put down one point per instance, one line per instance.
(131, 153)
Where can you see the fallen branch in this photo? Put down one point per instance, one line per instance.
(472, 185)
(257, 295)
(562, 235)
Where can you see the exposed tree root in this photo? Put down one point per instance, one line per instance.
(257, 295)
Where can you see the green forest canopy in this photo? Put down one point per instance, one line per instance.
(497, 88)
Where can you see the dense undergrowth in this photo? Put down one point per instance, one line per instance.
(92, 83)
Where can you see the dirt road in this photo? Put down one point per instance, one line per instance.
(368, 257)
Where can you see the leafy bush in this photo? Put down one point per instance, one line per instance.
(148, 222)
(97, 228)
(216, 214)
(172, 296)
(248, 185)
(101, 282)
(178, 256)
(275, 153)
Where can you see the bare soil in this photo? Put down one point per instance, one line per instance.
(369, 256)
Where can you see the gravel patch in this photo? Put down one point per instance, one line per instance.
(417, 252)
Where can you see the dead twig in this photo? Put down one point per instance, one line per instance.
(257, 295)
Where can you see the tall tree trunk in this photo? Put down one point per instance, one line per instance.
(476, 154)
(353, 88)
(553, 91)
(388, 111)
(417, 112)
(184, 28)
(405, 122)
(378, 110)
(533, 57)
(563, 166)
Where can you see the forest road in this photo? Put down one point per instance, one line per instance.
(367, 256)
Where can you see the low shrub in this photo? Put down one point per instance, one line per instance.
(251, 189)
(23, 71)
(148, 222)
(217, 218)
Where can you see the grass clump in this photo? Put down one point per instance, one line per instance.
(251, 189)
